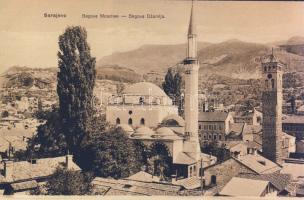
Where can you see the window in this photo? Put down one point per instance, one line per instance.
(190, 171)
(265, 69)
(205, 137)
(130, 112)
(266, 83)
(220, 137)
(141, 100)
(214, 127)
(220, 127)
(130, 121)
(272, 83)
(199, 127)
(209, 136)
(117, 121)
(210, 127)
(214, 137)
(142, 121)
(205, 127)
(213, 180)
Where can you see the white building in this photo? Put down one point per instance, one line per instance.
(140, 104)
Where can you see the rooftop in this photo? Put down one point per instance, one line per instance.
(144, 89)
(244, 187)
(259, 164)
(213, 116)
(133, 187)
(24, 170)
(293, 119)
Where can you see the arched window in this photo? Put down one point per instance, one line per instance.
(117, 121)
(213, 180)
(142, 121)
(266, 83)
(214, 137)
(130, 121)
(265, 68)
(272, 83)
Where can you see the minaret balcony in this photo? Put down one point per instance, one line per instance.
(190, 60)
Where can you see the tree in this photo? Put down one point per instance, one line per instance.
(172, 87)
(217, 150)
(110, 154)
(4, 114)
(168, 84)
(76, 80)
(67, 182)
(50, 137)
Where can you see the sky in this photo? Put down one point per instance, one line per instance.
(27, 38)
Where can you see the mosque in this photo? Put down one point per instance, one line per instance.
(149, 116)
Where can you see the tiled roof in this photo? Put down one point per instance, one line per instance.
(250, 129)
(244, 187)
(280, 181)
(213, 116)
(44, 167)
(126, 187)
(259, 164)
(24, 185)
(143, 176)
(189, 183)
(184, 158)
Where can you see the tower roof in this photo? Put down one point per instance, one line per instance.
(192, 27)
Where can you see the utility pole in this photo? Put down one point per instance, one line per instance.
(202, 174)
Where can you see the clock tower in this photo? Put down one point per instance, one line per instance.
(272, 108)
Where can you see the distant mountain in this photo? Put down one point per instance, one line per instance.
(149, 57)
(296, 40)
(117, 73)
(233, 58)
(294, 45)
(26, 77)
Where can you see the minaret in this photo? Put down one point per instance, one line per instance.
(191, 65)
(272, 109)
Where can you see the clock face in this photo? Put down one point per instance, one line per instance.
(269, 76)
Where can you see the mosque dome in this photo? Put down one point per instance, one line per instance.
(143, 131)
(144, 89)
(127, 128)
(164, 131)
(173, 120)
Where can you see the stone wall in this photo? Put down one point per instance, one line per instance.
(224, 172)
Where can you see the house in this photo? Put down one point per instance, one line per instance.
(249, 188)
(219, 174)
(214, 126)
(294, 125)
(23, 176)
(252, 117)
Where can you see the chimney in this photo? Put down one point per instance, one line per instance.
(8, 168)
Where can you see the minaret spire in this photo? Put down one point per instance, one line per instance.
(192, 40)
(192, 28)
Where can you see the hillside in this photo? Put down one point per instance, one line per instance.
(231, 58)
(149, 57)
(26, 77)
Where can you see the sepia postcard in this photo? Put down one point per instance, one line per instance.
(134, 98)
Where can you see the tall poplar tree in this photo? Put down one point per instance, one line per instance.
(76, 80)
